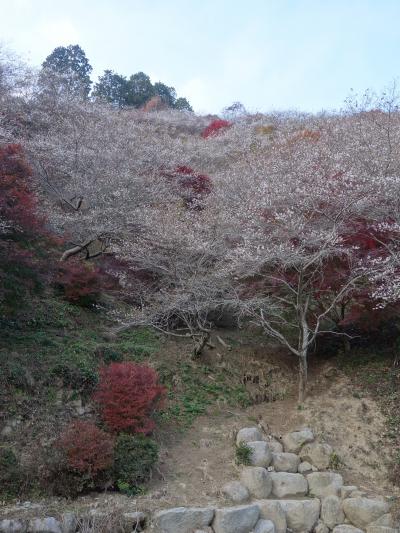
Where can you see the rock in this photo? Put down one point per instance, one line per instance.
(272, 510)
(133, 521)
(321, 527)
(346, 490)
(358, 494)
(382, 529)
(206, 530)
(286, 485)
(261, 455)
(285, 462)
(236, 492)
(68, 523)
(363, 511)
(346, 528)
(248, 435)
(384, 520)
(323, 484)
(317, 454)
(292, 442)
(301, 515)
(305, 468)
(275, 446)
(257, 480)
(44, 525)
(239, 519)
(331, 511)
(183, 519)
(264, 526)
(12, 526)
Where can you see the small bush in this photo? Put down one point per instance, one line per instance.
(81, 283)
(128, 394)
(335, 461)
(135, 457)
(243, 454)
(10, 473)
(109, 354)
(87, 448)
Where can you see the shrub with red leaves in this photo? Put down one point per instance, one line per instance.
(192, 186)
(88, 449)
(128, 394)
(189, 179)
(215, 128)
(82, 283)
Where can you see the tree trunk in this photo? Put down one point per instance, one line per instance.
(303, 352)
(199, 344)
(346, 345)
(303, 376)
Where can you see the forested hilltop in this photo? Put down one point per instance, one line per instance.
(133, 231)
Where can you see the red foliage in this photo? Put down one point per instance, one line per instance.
(128, 394)
(215, 128)
(369, 238)
(192, 185)
(88, 449)
(18, 202)
(189, 179)
(24, 265)
(28, 248)
(82, 283)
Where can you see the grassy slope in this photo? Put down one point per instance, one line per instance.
(50, 360)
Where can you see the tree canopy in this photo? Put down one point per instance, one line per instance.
(70, 68)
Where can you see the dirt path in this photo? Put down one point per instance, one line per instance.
(197, 465)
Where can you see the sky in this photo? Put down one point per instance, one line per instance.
(268, 54)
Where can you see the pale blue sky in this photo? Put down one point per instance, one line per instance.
(271, 54)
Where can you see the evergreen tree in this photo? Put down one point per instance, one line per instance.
(112, 88)
(183, 104)
(67, 69)
(139, 89)
(167, 94)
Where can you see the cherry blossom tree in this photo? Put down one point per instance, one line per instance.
(287, 218)
(295, 202)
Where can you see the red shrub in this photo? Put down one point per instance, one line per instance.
(216, 127)
(82, 283)
(189, 179)
(88, 449)
(128, 394)
(190, 185)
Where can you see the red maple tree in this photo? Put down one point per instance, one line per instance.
(128, 394)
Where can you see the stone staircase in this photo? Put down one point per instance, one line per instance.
(287, 486)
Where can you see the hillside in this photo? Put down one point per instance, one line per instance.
(249, 383)
(168, 279)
